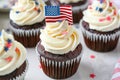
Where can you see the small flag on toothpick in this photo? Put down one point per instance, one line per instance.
(58, 13)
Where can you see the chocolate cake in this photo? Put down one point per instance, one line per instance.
(24, 38)
(59, 66)
(17, 72)
(99, 44)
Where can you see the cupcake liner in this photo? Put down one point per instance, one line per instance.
(22, 76)
(81, 7)
(59, 69)
(30, 32)
(94, 36)
(100, 42)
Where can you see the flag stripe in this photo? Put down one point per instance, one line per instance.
(65, 14)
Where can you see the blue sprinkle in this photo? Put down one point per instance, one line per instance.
(17, 12)
(6, 49)
(36, 3)
(9, 40)
(100, 9)
(38, 10)
(97, 8)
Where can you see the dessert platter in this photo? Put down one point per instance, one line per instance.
(50, 48)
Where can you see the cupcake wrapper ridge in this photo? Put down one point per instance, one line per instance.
(94, 36)
(21, 32)
(22, 76)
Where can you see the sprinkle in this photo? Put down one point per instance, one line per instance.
(100, 9)
(64, 32)
(17, 12)
(8, 45)
(9, 59)
(97, 8)
(36, 3)
(115, 12)
(101, 1)
(92, 75)
(108, 18)
(38, 10)
(9, 40)
(110, 4)
(6, 48)
(101, 20)
(17, 51)
(92, 56)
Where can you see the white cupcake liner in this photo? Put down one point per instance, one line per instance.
(22, 76)
(95, 36)
(81, 7)
(61, 63)
(30, 32)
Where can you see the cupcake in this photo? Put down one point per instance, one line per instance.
(78, 7)
(59, 50)
(26, 19)
(101, 26)
(13, 64)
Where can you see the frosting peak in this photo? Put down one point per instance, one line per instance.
(27, 12)
(59, 37)
(102, 16)
(11, 53)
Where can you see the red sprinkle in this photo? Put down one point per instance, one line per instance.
(92, 75)
(92, 56)
(115, 12)
(101, 20)
(8, 59)
(89, 7)
(110, 4)
(108, 18)
(8, 45)
(64, 32)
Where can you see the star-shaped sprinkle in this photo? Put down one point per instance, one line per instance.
(100, 9)
(108, 18)
(92, 75)
(110, 4)
(17, 12)
(9, 59)
(8, 45)
(6, 48)
(92, 56)
(36, 3)
(9, 40)
(35, 8)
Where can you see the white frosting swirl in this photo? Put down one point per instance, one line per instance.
(12, 58)
(102, 16)
(27, 12)
(69, 1)
(59, 38)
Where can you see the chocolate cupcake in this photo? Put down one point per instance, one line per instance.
(59, 50)
(101, 26)
(13, 63)
(77, 5)
(26, 19)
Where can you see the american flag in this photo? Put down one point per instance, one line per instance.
(116, 73)
(58, 13)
